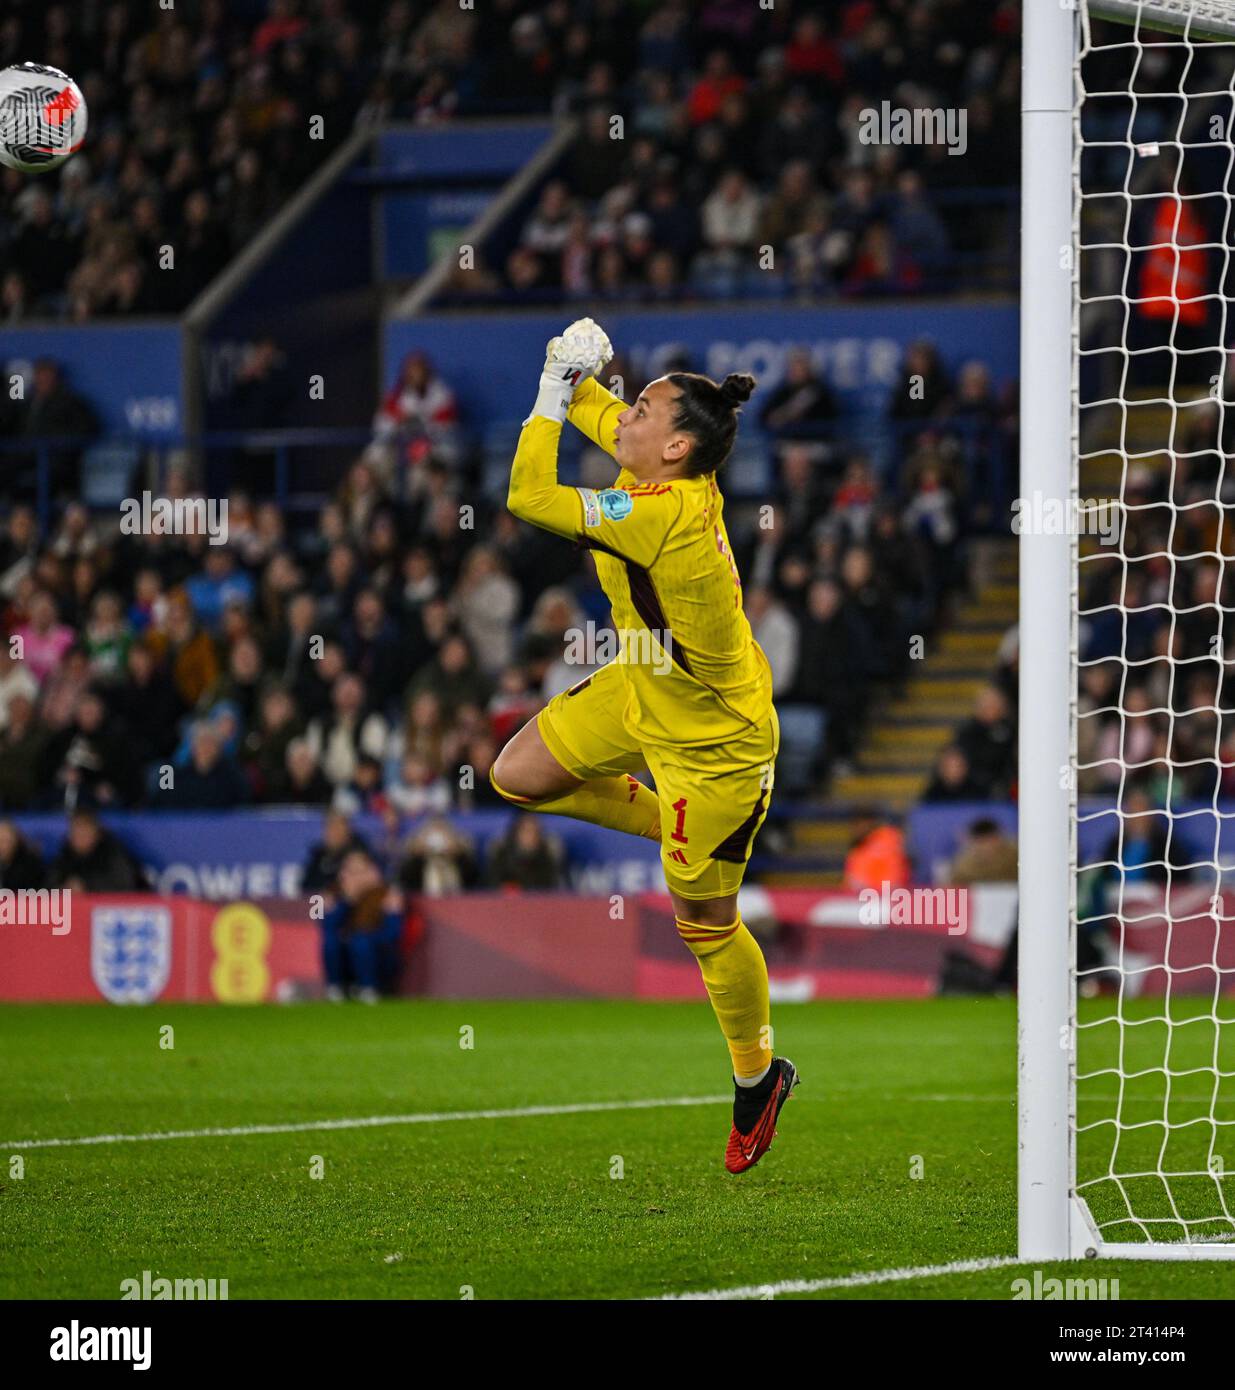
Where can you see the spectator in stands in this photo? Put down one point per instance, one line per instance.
(55, 411)
(241, 686)
(453, 675)
(14, 297)
(794, 209)
(730, 218)
(811, 54)
(803, 404)
(419, 409)
(547, 230)
(209, 781)
(372, 649)
(314, 693)
(288, 652)
(438, 859)
(881, 266)
(975, 394)
(487, 602)
(107, 638)
(361, 931)
(419, 788)
(930, 518)
(266, 741)
(869, 598)
(835, 660)
(717, 81)
(91, 762)
(1142, 850)
(674, 222)
(351, 729)
(301, 781)
(147, 705)
(987, 856)
(916, 228)
(953, 780)
(777, 635)
(63, 689)
(43, 640)
(93, 860)
(801, 500)
(988, 740)
(188, 650)
(23, 755)
(479, 755)
(339, 586)
(525, 857)
(321, 870)
(876, 854)
(364, 794)
(43, 252)
(221, 582)
(923, 390)
(149, 607)
(19, 547)
(21, 864)
(16, 682)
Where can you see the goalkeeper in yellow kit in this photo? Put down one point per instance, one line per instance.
(689, 696)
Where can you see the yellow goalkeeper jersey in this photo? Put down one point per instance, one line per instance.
(695, 674)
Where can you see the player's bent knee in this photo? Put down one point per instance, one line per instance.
(504, 790)
(706, 912)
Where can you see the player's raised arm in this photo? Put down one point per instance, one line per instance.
(632, 524)
(535, 494)
(594, 412)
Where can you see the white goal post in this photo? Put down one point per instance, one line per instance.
(1126, 1052)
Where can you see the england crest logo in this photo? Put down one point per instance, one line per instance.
(130, 952)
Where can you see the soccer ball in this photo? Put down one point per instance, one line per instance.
(42, 117)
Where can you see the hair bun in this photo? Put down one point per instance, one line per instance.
(737, 387)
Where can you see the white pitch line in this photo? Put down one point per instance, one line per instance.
(368, 1122)
(848, 1281)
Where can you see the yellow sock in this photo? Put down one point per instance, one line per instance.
(736, 976)
(622, 803)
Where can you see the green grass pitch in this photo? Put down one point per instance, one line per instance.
(528, 1207)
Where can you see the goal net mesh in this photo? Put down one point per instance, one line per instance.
(1153, 737)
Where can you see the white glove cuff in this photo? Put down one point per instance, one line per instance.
(553, 399)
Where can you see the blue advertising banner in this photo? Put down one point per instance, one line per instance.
(129, 372)
(465, 152)
(421, 218)
(247, 854)
(493, 359)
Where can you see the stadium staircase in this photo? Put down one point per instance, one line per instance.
(907, 729)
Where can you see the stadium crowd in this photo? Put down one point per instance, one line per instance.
(741, 129)
(378, 659)
(709, 132)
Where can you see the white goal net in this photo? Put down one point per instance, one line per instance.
(1152, 1051)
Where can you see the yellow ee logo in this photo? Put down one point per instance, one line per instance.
(241, 938)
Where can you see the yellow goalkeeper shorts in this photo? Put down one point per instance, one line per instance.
(712, 800)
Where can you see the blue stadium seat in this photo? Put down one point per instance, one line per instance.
(802, 730)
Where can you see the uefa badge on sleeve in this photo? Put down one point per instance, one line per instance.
(615, 503)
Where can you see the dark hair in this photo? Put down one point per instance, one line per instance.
(710, 413)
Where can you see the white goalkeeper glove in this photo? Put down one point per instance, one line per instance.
(581, 351)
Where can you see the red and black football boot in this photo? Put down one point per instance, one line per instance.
(755, 1111)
